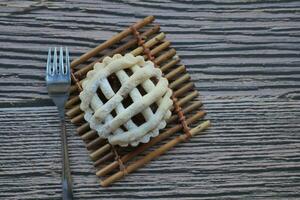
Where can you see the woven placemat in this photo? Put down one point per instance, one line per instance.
(142, 38)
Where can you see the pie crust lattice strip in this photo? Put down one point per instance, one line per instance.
(98, 113)
(186, 111)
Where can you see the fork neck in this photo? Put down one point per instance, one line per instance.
(60, 103)
(61, 111)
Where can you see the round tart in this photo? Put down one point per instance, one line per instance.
(126, 99)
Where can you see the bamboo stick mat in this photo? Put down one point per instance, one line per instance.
(143, 38)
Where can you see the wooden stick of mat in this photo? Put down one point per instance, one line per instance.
(154, 154)
(103, 159)
(111, 41)
(152, 142)
(82, 72)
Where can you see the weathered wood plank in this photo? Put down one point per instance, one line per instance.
(253, 150)
(236, 45)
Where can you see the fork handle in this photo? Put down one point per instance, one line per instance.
(66, 173)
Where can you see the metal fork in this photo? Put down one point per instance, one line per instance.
(58, 85)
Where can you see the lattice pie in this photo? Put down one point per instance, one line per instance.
(126, 99)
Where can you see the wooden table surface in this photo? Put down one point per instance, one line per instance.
(244, 58)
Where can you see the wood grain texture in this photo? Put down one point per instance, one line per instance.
(244, 57)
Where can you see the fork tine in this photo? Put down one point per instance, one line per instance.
(54, 64)
(61, 61)
(48, 67)
(67, 62)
